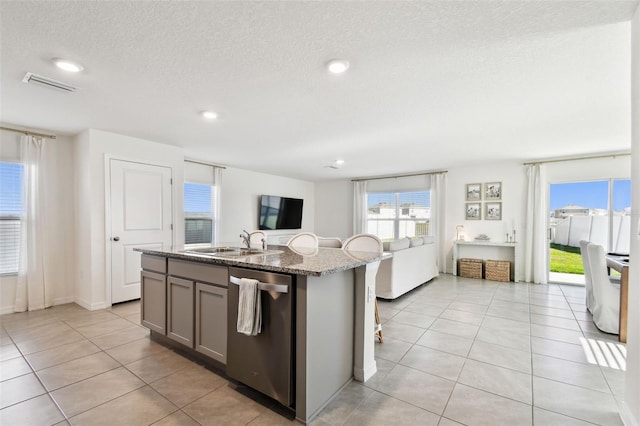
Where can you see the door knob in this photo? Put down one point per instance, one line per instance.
(116, 238)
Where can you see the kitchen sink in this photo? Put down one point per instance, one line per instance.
(213, 250)
(230, 251)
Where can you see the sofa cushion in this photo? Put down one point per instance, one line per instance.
(429, 239)
(396, 245)
(416, 241)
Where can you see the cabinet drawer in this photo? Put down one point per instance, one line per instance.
(154, 263)
(199, 272)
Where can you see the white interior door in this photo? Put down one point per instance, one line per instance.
(140, 218)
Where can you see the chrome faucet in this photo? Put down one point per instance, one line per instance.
(246, 238)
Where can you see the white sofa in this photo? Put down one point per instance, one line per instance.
(413, 263)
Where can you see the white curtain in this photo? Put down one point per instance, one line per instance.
(535, 236)
(438, 218)
(34, 290)
(217, 181)
(359, 207)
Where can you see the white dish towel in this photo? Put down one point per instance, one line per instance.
(249, 307)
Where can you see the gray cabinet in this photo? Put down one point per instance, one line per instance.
(197, 307)
(153, 293)
(211, 321)
(180, 313)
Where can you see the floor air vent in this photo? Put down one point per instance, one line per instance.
(48, 82)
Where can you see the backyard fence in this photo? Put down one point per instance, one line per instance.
(569, 232)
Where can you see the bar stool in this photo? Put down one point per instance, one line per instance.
(367, 243)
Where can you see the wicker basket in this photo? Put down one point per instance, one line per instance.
(498, 270)
(470, 268)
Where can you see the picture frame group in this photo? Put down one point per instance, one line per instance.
(490, 193)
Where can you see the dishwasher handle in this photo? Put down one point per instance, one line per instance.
(278, 288)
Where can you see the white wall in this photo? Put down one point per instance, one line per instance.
(240, 199)
(334, 199)
(334, 209)
(92, 148)
(82, 189)
(513, 178)
(334, 203)
(59, 238)
(631, 404)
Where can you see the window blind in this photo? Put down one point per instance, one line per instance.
(10, 214)
(395, 215)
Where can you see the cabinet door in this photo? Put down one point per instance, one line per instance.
(211, 321)
(154, 301)
(180, 300)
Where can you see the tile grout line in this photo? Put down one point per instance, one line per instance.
(600, 367)
(35, 374)
(48, 392)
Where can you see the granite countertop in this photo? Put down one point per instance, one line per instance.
(316, 262)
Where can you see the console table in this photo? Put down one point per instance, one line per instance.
(487, 250)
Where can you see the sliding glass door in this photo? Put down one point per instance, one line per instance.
(596, 211)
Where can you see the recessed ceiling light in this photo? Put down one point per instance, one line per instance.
(337, 66)
(335, 165)
(209, 115)
(66, 65)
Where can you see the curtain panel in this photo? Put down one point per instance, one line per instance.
(34, 289)
(217, 179)
(438, 218)
(535, 241)
(359, 207)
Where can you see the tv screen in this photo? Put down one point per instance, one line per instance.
(280, 212)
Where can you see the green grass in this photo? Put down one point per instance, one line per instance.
(566, 259)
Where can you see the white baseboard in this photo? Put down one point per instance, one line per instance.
(6, 310)
(91, 306)
(63, 300)
(627, 416)
(59, 301)
(362, 375)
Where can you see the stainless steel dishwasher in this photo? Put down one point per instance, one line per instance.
(264, 362)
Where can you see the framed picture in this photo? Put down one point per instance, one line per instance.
(473, 211)
(493, 211)
(474, 191)
(492, 191)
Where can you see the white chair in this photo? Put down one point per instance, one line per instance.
(363, 242)
(258, 239)
(330, 242)
(303, 240)
(606, 296)
(372, 244)
(587, 274)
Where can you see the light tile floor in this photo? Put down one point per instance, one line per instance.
(456, 352)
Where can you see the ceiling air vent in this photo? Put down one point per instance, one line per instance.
(48, 82)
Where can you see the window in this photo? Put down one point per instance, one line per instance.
(198, 213)
(201, 189)
(394, 215)
(10, 216)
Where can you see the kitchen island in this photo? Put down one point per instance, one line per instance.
(191, 298)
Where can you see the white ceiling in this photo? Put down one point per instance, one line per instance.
(432, 85)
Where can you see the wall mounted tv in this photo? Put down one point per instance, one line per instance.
(280, 212)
